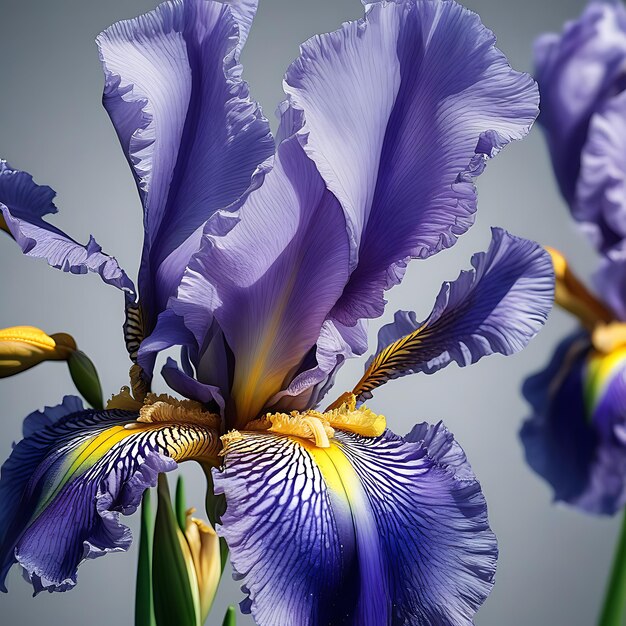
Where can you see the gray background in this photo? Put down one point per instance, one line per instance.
(554, 561)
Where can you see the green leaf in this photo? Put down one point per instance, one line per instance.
(85, 377)
(144, 611)
(175, 589)
(230, 619)
(181, 507)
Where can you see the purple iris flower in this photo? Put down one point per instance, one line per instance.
(576, 437)
(582, 76)
(263, 260)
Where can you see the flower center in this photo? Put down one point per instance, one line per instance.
(316, 427)
(164, 408)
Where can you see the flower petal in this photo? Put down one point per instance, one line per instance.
(368, 531)
(189, 387)
(425, 99)
(23, 204)
(335, 344)
(601, 188)
(187, 125)
(496, 308)
(66, 483)
(271, 280)
(579, 453)
(576, 71)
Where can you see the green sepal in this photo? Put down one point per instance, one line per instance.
(181, 507)
(85, 377)
(175, 594)
(144, 611)
(230, 619)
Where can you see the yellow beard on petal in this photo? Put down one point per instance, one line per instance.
(164, 408)
(319, 428)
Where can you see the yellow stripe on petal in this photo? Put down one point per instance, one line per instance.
(182, 442)
(600, 370)
(23, 347)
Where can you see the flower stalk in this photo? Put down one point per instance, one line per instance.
(614, 609)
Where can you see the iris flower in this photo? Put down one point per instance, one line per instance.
(576, 437)
(263, 260)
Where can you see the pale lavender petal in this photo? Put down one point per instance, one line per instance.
(425, 99)
(271, 281)
(186, 123)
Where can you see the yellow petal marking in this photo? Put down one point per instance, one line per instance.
(318, 427)
(164, 408)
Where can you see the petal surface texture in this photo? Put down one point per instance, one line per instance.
(272, 279)
(581, 81)
(369, 531)
(186, 123)
(23, 205)
(65, 484)
(400, 111)
(496, 308)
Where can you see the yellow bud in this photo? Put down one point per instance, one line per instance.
(23, 347)
(204, 548)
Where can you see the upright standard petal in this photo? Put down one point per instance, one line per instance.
(64, 486)
(577, 72)
(272, 280)
(496, 308)
(601, 187)
(23, 205)
(400, 111)
(367, 531)
(187, 125)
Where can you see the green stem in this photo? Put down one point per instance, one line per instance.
(144, 612)
(615, 600)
